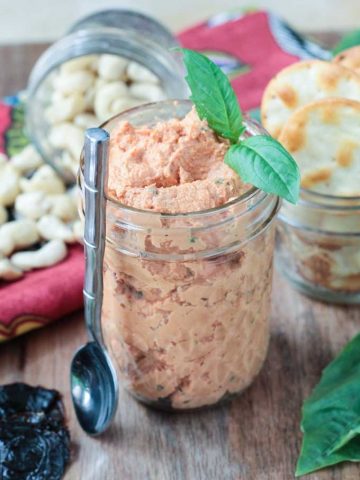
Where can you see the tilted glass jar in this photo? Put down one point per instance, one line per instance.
(318, 246)
(129, 34)
(187, 296)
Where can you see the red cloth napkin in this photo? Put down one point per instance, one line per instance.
(251, 48)
(250, 42)
(42, 296)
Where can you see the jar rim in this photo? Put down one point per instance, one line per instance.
(127, 16)
(313, 199)
(250, 194)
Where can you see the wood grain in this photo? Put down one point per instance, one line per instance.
(254, 437)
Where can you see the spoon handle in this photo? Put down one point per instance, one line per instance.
(95, 155)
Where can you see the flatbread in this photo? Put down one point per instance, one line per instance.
(324, 139)
(349, 58)
(302, 83)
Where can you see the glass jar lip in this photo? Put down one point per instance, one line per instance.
(242, 199)
(324, 200)
(99, 18)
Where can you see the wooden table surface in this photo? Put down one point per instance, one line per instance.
(254, 437)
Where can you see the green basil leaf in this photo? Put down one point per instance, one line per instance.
(331, 415)
(350, 40)
(213, 96)
(264, 162)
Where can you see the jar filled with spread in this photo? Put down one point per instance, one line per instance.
(318, 246)
(319, 239)
(313, 108)
(108, 62)
(187, 269)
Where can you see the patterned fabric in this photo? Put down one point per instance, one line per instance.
(251, 47)
(40, 296)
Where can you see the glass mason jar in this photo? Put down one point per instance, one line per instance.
(129, 34)
(318, 246)
(187, 296)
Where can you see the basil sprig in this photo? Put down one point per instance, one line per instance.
(331, 415)
(267, 164)
(214, 98)
(260, 160)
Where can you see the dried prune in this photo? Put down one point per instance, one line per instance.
(34, 442)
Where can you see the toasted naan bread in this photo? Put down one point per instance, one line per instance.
(349, 58)
(324, 139)
(301, 83)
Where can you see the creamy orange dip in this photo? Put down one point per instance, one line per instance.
(177, 166)
(189, 331)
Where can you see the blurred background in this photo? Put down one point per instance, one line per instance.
(45, 20)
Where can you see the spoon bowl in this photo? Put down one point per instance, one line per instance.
(93, 388)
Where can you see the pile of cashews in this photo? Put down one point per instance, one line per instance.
(87, 91)
(44, 212)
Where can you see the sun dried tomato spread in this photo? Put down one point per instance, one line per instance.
(177, 166)
(184, 331)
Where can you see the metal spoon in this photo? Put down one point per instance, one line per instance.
(93, 379)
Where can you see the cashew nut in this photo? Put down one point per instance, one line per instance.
(3, 159)
(44, 180)
(94, 64)
(7, 245)
(8, 271)
(32, 205)
(50, 254)
(147, 91)
(77, 81)
(67, 162)
(63, 206)
(3, 215)
(86, 120)
(112, 67)
(52, 228)
(27, 160)
(75, 195)
(80, 63)
(78, 230)
(100, 82)
(56, 96)
(89, 95)
(89, 98)
(9, 184)
(69, 137)
(18, 234)
(139, 73)
(105, 97)
(65, 108)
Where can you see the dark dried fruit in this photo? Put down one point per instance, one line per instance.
(34, 442)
